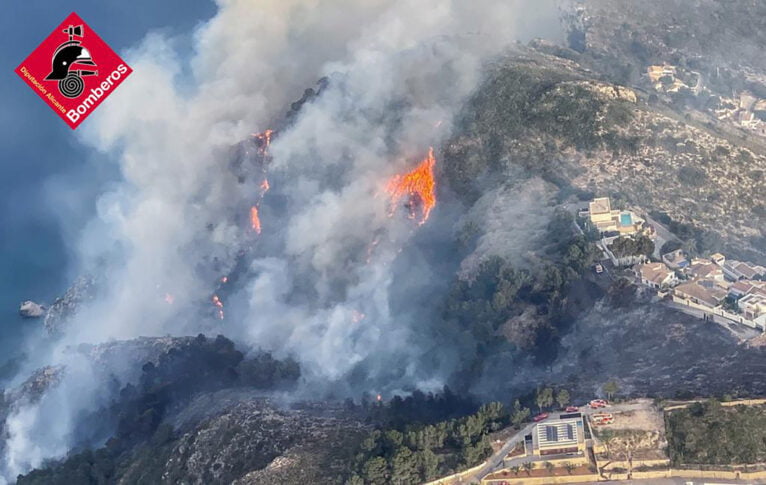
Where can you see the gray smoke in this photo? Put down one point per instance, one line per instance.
(513, 221)
(332, 256)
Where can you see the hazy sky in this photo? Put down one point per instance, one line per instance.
(39, 150)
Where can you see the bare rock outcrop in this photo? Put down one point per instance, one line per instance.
(30, 309)
(63, 308)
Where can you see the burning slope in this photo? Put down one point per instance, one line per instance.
(418, 186)
(263, 140)
(219, 305)
(255, 220)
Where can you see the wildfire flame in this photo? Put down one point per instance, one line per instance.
(264, 140)
(378, 398)
(255, 220)
(418, 186)
(224, 279)
(219, 304)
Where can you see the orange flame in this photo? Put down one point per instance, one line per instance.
(418, 185)
(218, 303)
(224, 279)
(379, 398)
(265, 185)
(264, 140)
(255, 220)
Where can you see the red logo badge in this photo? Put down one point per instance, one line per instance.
(73, 70)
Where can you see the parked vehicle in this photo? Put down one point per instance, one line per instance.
(540, 417)
(598, 403)
(600, 419)
(571, 409)
(601, 415)
(599, 269)
(603, 421)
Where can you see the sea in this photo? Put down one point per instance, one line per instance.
(49, 180)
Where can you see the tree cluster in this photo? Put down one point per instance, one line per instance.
(546, 396)
(625, 247)
(422, 453)
(696, 240)
(418, 408)
(498, 291)
(708, 433)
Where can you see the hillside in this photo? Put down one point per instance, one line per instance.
(509, 301)
(544, 115)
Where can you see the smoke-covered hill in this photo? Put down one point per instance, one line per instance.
(343, 259)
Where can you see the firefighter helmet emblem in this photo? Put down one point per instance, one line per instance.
(66, 63)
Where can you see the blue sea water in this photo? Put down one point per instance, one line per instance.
(49, 181)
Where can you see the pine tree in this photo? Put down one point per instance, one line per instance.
(519, 414)
(404, 467)
(375, 471)
(544, 398)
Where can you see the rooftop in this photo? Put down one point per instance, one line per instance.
(654, 272)
(601, 205)
(747, 270)
(711, 296)
(703, 268)
(744, 287)
(559, 433)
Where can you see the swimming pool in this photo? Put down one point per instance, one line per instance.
(626, 219)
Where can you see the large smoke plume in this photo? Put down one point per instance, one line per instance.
(333, 280)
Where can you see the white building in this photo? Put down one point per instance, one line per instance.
(559, 436)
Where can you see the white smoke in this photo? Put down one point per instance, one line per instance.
(398, 73)
(513, 219)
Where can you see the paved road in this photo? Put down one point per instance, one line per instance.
(663, 235)
(679, 481)
(495, 462)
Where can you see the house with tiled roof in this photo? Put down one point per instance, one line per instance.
(737, 270)
(655, 275)
(695, 294)
(741, 288)
(705, 269)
